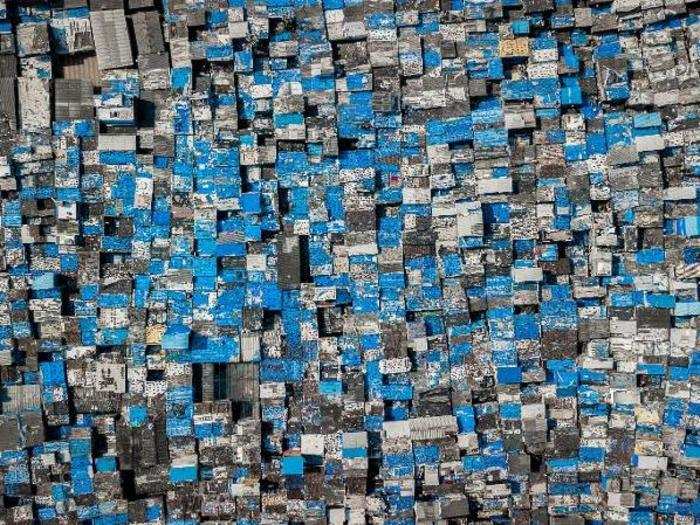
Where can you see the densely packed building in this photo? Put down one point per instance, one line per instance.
(349, 261)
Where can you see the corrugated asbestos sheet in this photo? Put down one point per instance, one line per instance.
(111, 36)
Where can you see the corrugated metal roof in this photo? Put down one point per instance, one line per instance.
(148, 33)
(8, 102)
(8, 66)
(19, 398)
(73, 99)
(82, 67)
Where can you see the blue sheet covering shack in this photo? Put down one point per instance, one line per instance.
(344, 261)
